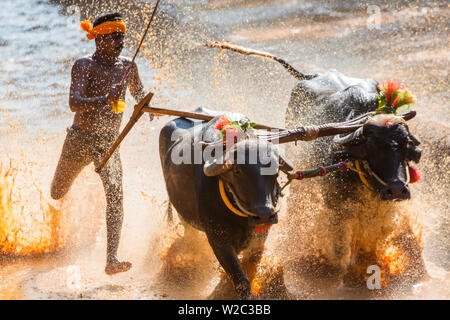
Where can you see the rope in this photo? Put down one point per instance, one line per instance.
(342, 166)
(311, 133)
(320, 171)
(362, 175)
(127, 70)
(242, 212)
(373, 174)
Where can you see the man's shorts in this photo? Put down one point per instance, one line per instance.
(82, 146)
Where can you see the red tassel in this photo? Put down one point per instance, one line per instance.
(261, 229)
(414, 175)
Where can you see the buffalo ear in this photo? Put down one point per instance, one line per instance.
(413, 153)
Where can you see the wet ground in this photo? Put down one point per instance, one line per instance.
(40, 42)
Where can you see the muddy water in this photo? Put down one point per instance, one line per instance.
(40, 43)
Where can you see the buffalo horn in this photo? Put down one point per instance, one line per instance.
(214, 169)
(409, 115)
(285, 165)
(348, 138)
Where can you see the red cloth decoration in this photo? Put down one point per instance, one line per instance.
(414, 175)
(261, 229)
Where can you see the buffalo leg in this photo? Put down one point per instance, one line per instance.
(267, 279)
(228, 259)
(252, 255)
(188, 259)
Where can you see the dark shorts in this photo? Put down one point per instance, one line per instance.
(83, 146)
(79, 150)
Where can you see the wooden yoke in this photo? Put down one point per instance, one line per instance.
(193, 115)
(142, 107)
(304, 133)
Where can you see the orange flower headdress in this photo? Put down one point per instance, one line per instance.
(394, 95)
(106, 27)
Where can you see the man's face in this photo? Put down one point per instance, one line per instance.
(111, 44)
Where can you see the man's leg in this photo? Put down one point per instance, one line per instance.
(70, 164)
(111, 176)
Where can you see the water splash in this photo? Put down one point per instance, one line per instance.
(25, 232)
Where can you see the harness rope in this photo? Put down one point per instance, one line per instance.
(342, 166)
(361, 174)
(300, 175)
(320, 171)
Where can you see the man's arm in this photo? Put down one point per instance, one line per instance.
(135, 86)
(79, 83)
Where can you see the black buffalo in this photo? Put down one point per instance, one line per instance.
(384, 144)
(360, 216)
(193, 189)
(356, 219)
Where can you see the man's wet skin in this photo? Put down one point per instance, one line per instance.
(95, 82)
(95, 85)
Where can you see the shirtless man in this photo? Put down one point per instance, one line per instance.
(94, 88)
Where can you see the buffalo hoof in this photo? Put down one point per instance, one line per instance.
(226, 291)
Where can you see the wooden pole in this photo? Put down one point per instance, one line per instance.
(192, 115)
(137, 113)
(127, 71)
(288, 136)
(142, 107)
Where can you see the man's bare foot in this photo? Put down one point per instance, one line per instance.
(113, 268)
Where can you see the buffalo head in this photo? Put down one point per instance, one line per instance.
(249, 171)
(387, 145)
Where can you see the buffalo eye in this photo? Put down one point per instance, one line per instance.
(236, 170)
